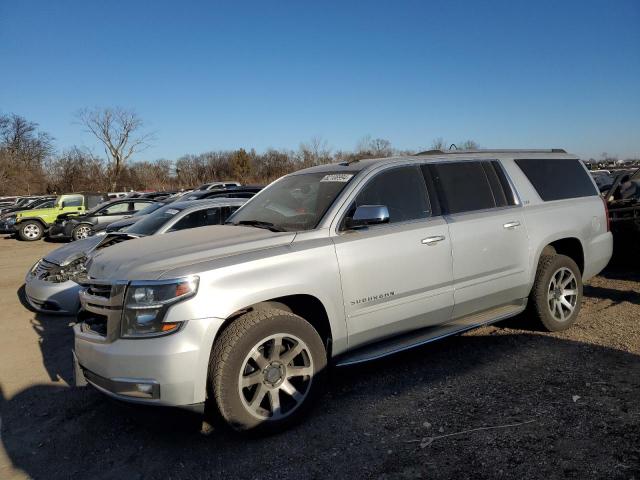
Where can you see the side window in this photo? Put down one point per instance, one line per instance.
(402, 190)
(226, 213)
(191, 220)
(75, 201)
(557, 179)
(116, 209)
(140, 205)
(463, 186)
(212, 216)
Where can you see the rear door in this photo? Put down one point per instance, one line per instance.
(395, 277)
(488, 236)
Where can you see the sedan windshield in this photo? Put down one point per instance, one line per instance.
(294, 203)
(151, 223)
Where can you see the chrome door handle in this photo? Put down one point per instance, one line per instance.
(432, 240)
(511, 225)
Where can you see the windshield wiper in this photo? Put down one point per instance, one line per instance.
(258, 224)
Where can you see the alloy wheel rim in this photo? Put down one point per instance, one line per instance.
(82, 232)
(562, 294)
(31, 231)
(276, 377)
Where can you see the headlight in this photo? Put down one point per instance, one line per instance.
(11, 220)
(66, 272)
(147, 303)
(100, 233)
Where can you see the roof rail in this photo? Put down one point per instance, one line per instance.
(508, 150)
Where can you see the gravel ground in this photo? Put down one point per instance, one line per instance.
(498, 402)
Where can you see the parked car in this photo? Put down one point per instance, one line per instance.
(218, 185)
(338, 264)
(49, 285)
(28, 204)
(623, 199)
(230, 192)
(240, 192)
(119, 225)
(33, 224)
(8, 218)
(77, 227)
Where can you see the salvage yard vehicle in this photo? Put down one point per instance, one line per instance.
(31, 225)
(49, 285)
(77, 227)
(8, 217)
(623, 199)
(338, 264)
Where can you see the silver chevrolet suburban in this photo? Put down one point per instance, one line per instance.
(338, 264)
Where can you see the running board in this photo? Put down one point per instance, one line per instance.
(416, 338)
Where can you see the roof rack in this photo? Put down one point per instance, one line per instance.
(507, 150)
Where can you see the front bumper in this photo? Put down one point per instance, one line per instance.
(50, 297)
(175, 366)
(6, 227)
(57, 230)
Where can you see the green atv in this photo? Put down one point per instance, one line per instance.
(31, 225)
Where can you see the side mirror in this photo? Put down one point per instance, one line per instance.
(62, 205)
(366, 215)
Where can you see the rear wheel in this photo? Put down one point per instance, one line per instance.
(266, 369)
(81, 231)
(557, 292)
(30, 231)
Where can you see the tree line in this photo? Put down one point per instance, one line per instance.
(29, 163)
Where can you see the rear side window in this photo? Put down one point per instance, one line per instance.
(557, 179)
(464, 187)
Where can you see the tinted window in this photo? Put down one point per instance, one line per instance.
(198, 219)
(463, 186)
(557, 179)
(151, 223)
(402, 190)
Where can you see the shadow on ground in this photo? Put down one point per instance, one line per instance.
(369, 423)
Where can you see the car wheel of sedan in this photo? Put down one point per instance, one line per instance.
(266, 369)
(30, 231)
(81, 231)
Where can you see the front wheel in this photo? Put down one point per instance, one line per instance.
(557, 292)
(81, 231)
(30, 231)
(266, 369)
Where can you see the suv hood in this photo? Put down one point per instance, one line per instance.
(36, 212)
(149, 257)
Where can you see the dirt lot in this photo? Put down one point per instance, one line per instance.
(568, 405)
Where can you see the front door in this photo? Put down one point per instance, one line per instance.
(398, 276)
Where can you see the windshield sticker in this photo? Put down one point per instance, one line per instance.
(172, 211)
(337, 177)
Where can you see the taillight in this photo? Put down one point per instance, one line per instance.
(606, 214)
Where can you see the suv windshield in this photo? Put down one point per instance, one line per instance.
(154, 221)
(294, 203)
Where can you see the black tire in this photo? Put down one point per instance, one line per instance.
(230, 359)
(546, 301)
(78, 232)
(30, 231)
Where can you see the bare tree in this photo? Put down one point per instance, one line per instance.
(438, 144)
(119, 130)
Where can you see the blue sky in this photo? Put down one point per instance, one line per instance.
(213, 75)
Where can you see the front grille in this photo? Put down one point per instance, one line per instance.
(43, 269)
(101, 307)
(98, 290)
